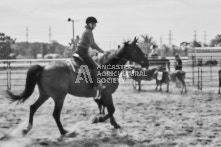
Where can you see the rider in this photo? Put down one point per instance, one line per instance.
(153, 52)
(86, 41)
(178, 62)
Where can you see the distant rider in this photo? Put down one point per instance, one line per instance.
(178, 62)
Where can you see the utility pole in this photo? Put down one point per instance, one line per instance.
(195, 36)
(110, 44)
(27, 35)
(205, 37)
(73, 21)
(170, 38)
(161, 42)
(49, 35)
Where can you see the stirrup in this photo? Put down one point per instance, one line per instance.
(100, 86)
(98, 95)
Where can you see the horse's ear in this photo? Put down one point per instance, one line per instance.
(135, 40)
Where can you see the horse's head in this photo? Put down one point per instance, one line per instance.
(135, 54)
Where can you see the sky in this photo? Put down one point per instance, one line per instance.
(118, 20)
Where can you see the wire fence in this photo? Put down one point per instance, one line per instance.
(200, 72)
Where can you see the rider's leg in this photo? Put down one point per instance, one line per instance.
(94, 71)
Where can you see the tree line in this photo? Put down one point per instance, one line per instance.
(9, 48)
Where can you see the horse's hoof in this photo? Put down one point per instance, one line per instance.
(73, 134)
(64, 132)
(25, 131)
(97, 119)
(117, 126)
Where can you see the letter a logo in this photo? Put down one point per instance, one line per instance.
(86, 74)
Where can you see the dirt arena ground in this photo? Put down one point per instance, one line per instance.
(148, 119)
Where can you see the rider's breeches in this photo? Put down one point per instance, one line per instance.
(83, 52)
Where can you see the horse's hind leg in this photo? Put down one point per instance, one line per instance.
(156, 86)
(160, 86)
(59, 101)
(33, 108)
(168, 84)
(183, 86)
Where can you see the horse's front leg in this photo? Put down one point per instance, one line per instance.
(160, 86)
(168, 84)
(100, 117)
(108, 102)
(139, 84)
(156, 85)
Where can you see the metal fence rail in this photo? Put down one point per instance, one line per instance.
(198, 73)
(13, 72)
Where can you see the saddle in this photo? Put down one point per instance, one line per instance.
(75, 63)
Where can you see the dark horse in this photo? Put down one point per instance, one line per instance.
(56, 80)
(138, 74)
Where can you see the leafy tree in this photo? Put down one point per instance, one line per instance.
(196, 44)
(5, 46)
(44, 49)
(185, 46)
(35, 49)
(32, 49)
(216, 41)
(53, 46)
(73, 43)
(147, 43)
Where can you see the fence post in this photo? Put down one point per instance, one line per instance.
(193, 62)
(198, 76)
(211, 68)
(8, 75)
(201, 79)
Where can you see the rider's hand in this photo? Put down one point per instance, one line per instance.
(106, 52)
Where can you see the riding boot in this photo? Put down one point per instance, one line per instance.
(99, 87)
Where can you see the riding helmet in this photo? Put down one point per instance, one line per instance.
(91, 20)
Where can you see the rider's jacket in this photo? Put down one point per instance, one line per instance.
(87, 39)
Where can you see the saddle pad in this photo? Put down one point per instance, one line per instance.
(159, 76)
(98, 95)
(73, 65)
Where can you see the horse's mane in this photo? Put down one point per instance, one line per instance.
(113, 56)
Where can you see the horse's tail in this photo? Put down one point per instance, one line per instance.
(184, 76)
(33, 76)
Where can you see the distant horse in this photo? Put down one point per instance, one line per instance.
(167, 76)
(57, 79)
(139, 74)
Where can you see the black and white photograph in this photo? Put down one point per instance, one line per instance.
(119, 73)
